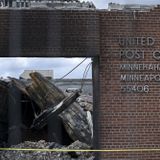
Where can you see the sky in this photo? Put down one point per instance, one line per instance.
(102, 4)
(15, 66)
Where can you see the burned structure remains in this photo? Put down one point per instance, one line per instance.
(38, 110)
(46, 4)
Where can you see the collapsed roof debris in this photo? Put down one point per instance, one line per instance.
(41, 155)
(45, 4)
(37, 109)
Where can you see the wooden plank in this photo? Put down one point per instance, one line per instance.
(50, 92)
(40, 90)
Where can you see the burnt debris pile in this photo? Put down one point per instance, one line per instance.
(37, 114)
(47, 155)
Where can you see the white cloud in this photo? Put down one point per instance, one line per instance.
(15, 66)
(100, 4)
(103, 4)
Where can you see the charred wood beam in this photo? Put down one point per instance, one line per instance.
(40, 90)
(51, 94)
(14, 108)
(20, 85)
(4, 84)
(43, 118)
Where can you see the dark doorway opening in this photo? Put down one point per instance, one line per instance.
(21, 112)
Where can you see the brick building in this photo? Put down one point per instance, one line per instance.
(125, 47)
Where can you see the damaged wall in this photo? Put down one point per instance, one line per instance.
(129, 118)
(63, 32)
(126, 120)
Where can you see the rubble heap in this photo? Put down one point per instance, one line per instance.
(41, 155)
(45, 4)
(38, 109)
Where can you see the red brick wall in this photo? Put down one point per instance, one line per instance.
(128, 120)
(49, 33)
(125, 120)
